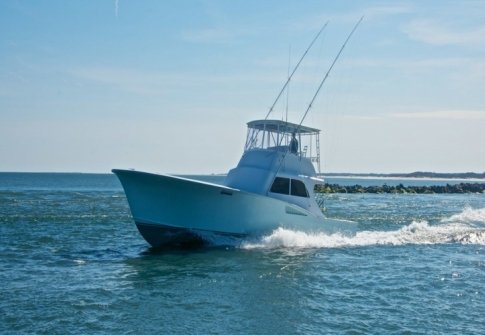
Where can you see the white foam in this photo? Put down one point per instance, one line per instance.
(461, 228)
(469, 216)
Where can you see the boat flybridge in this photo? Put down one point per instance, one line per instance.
(279, 161)
(271, 187)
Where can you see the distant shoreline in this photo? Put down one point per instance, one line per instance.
(468, 176)
(413, 175)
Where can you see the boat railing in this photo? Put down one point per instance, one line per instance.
(284, 136)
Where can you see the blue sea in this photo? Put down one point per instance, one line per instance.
(72, 262)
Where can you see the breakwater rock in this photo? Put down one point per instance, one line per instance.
(433, 189)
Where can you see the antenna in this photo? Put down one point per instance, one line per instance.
(288, 90)
(294, 70)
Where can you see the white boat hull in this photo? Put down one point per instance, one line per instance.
(174, 210)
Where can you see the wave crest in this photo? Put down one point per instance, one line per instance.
(461, 228)
(469, 216)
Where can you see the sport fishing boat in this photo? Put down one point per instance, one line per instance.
(271, 187)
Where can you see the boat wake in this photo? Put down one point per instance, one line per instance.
(467, 227)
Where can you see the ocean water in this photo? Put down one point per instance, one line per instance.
(72, 262)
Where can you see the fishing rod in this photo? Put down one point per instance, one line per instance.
(294, 70)
(318, 91)
(328, 72)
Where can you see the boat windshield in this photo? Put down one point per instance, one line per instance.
(280, 135)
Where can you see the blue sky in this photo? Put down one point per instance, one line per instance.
(168, 86)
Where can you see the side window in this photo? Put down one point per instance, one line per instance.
(281, 185)
(298, 188)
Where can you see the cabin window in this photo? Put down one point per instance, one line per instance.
(281, 185)
(298, 188)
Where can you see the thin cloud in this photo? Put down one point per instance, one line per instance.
(470, 70)
(128, 80)
(152, 83)
(363, 117)
(213, 35)
(222, 34)
(435, 33)
(444, 114)
(377, 12)
(315, 21)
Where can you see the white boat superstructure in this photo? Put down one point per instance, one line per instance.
(279, 161)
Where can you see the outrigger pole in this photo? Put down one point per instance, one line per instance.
(328, 71)
(294, 70)
(327, 74)
(318, 90)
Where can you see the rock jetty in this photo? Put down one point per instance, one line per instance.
(401, 189)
